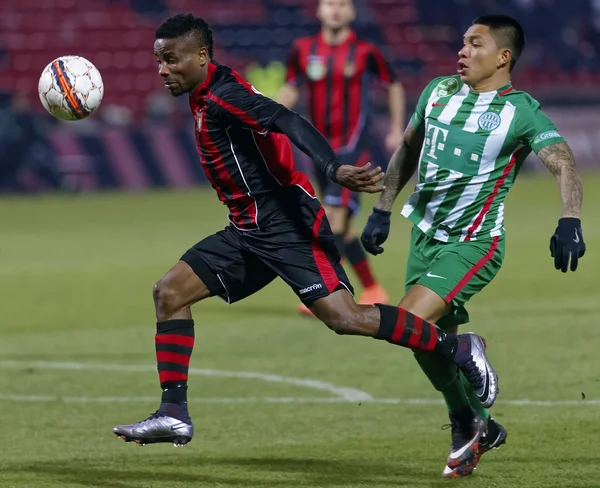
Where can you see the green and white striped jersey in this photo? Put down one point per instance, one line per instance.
(474, 146)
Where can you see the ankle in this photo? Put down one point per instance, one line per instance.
(174, 394)
(176, 410)
(464, 416)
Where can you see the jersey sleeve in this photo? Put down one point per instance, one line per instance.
(293, 74)
(245, 106)
(534, 128)
(418, 118)
(379, 66)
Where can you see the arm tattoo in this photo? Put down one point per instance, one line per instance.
(559, 159)
(402, 166)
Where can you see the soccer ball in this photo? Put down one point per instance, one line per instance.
(71, 88)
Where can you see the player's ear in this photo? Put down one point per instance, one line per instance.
(203, 55)
(504, 58)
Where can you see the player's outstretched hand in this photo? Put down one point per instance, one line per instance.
(567, 244)
(376, 231)
(360, 178)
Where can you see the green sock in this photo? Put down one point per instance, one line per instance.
(444, 377)
(473, 399)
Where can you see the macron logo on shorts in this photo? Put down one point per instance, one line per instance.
(316, 286)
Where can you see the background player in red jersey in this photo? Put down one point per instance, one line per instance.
(336, 67)
(277, 229)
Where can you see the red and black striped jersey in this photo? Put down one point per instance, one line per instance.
(337, 80)
(251, 168)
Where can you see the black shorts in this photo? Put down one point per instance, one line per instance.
(235, 264)
(336, 195)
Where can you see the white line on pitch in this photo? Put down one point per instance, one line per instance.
(342, 392)
(290, 400)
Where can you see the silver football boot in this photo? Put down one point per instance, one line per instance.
(471, 359)
(159, 427)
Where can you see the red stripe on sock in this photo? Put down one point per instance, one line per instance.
(172, 357)
(399, 329)
(165, 376)
(415, 337)
(363, 270)
(179, 340)
(432, 338)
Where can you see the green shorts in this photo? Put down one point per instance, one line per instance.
(454, 270)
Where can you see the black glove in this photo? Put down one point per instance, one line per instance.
(567, 242)
(376, 231)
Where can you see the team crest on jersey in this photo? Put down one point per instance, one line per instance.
(489, 121)
(316, 68)
(447, 87)
(349, 70)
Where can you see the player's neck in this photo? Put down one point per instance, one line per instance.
(491, 84)
(333, 37)
(201, 81)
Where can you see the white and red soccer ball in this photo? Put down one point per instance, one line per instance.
(71, 88)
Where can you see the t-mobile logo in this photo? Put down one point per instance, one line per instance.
(434, 140)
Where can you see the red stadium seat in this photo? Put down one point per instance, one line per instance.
(118, 40)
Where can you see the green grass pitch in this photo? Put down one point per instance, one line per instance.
(77, 357)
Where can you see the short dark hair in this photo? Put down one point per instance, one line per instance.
(508, 33)
(183, 25)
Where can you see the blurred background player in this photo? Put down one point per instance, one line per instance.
(467, 139)
(336, 67)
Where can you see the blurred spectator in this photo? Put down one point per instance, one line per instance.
(560, 66)
(161, 108)
(23, 145)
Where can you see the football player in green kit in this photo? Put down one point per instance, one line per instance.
(466, 141)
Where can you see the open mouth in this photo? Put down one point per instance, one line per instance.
(461, 68)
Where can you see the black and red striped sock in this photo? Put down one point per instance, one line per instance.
(174, 342)
(398, 326)
(358, 259)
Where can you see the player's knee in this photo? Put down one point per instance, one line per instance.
(165, 297)
(342, 322)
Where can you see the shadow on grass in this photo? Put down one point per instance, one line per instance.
(237, 471)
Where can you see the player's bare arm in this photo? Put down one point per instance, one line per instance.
(566, 245)
(558, 158)
(401, 168)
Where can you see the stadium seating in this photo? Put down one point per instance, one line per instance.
(117, 38)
